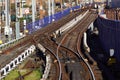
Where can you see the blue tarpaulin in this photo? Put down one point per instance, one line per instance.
(32, 27)
(109, 35)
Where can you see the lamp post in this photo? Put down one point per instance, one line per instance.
(17, 24)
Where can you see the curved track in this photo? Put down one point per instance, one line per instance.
(69, 51)
(71, 40)
(68, 61)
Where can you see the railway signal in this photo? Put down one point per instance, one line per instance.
(25, 20)
(1, 42)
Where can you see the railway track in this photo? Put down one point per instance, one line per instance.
(22, 45)
(56, 25)
(35, 36)
(65, 58)
(68, 61)
(67, 49)
(72, 40)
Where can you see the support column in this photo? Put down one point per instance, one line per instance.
(69, 2)
(49, 10)
(7, 25)
(20, 2)
(70, 5)
(41, 9)
(109, 1)
(33, 12)
(91, 1)
(61, 3)
(77, 2)
(53, 10)
(25, 55)
(17, 23)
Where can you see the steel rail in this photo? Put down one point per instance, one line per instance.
(61, 42)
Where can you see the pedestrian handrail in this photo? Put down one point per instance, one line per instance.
(5, 45)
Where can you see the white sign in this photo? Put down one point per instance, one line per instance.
(24, 22)
(111, 52)
(6, 31)
(27, 11)
(10, 31)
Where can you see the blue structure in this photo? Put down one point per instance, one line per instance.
(45, 21)
(113, 3)
(109, 35)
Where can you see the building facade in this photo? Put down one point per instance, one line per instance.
(113, 3)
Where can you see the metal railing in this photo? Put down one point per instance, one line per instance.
(8, 44)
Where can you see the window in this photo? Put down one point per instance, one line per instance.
(15, 61)
(7, 69)
(2, 73)
(11, 65)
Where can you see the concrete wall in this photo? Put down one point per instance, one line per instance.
(6, 69)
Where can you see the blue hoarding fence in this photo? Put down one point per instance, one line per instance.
(32, 27)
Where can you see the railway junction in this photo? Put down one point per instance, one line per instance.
(74, 44)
